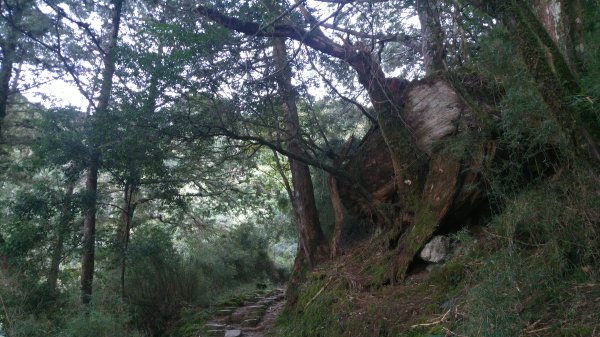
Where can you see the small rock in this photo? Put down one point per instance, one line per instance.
(436, 250)
(233, 333)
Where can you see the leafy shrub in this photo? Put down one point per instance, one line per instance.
(160, 281)
(95, 323)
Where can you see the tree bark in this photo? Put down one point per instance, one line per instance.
(310, 235)
(556, 82)
(434, 51)
(562, 19)
(338, 212)
(91, 184)
(125, 220)
(301, 249)
(89, 228)
(9, 52)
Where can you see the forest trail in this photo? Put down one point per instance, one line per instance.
(254, 319)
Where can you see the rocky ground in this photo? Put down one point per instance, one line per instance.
(253, 319)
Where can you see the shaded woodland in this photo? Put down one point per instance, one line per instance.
(160, 160)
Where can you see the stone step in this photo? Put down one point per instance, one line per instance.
(236, 317)
(250, 322)
(214, 333)
(216, 326)
(233, 333)
(256, 307)
(224, 312)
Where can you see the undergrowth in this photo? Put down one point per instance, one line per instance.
(532, 271)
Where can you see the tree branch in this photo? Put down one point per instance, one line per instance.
(311, 38)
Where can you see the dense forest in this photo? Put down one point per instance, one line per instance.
(395, 167)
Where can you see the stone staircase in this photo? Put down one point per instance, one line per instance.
(248, 319)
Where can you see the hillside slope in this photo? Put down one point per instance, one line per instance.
(531, 270)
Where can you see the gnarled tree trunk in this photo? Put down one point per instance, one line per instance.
(556, 82)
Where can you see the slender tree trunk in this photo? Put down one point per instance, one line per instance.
(91, 184)
(434, 51)
(62, 229)
(125, 220)
(89, 229)
(9, 52)
(338, 212)
(301, 250)
(130, 201)
(308, 227)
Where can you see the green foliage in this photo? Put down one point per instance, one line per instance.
(160, 282)
(314, 314)
(591, 53)
(96, 323)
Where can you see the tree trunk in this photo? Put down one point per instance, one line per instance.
(131, 190)
(310, 235)
(9, 48)
(89, 225)
(65, 223)
(434, 51)
(125, 220)
(89, 229)
(338, 211)
(301, 250)
(556, 82)
(563, 21)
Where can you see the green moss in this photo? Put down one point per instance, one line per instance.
(380, 271)
(416, 236)
(577, 331)
(448, 276)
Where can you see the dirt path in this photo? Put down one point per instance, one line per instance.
(255, 318)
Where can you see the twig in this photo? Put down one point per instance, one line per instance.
(436, 322)
(8, 321)
(452, 333)
(318, 293)
(538, 330)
